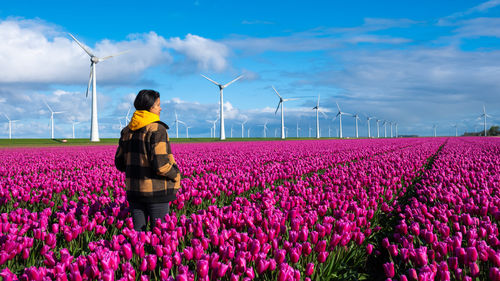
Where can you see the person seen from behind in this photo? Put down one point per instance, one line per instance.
(144, 154)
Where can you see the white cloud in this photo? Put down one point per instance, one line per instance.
(36, 52)
(206, 53)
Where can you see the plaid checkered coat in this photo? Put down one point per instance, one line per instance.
(152, 176)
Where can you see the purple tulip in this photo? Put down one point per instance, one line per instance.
(202, 268)
(322, 257)
(309, 269)
(389, 269)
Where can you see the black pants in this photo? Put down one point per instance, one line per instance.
(141, 212)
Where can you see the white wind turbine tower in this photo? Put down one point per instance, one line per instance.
(187, 132)
(434, 127)
(339, 115)
(385, 128)
(76, 123)
(213, 128)
(231, 130)
(396, 124)
(484, 115)
(390, 123)
(298, 129)
(378, 128)
(221, 88)
(310, 130)
(456, 129)
(282, 103)
(52, 113)
(10, 125)
(356, 118)
(243, 128)
(317, 118)
(264, 128)
(368, 118)
(94, 126)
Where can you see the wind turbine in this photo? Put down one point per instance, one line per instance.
(127, 120)
(385, 128)
(339, 115)
(396, 124)
(317, 118)
(484, 115)
(213, 122)
(76, 123)
(187, 132)
(368, 118)
(434, 126)
(243, 128)
(281, 102)
(52, 113)
(378, 128)
(221, 88)
(265, 128)
(10, 125)
(94, 127)
(298, 129)
(390, 123)
(456, 129)
(356, 118)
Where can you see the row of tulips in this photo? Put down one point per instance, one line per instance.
(449, 229)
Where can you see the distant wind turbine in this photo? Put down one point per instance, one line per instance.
(94, 127)
(10, 125)
(390, 123)
(282, 103)
(317, 118)
(378, 128)
(356, 118)
(484, 115)
(76, 123)
(52, 113)
(339, 115)
(368, 118)
(435, 127)
(397, 135)
(221, 88)
(243, 128)
(264, 128)
(298, 129)
(385, 128)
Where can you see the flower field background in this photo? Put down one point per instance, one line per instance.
(397, 209)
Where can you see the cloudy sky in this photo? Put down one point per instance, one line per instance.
(417, 63)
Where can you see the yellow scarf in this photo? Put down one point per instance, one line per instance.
(142, 118)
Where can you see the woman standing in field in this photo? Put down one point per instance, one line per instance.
(144, 154)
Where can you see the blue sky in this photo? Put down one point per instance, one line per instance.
(418, 64)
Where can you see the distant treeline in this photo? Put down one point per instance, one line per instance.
(493, 131)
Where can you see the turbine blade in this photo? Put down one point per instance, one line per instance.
(48, 106)
(211, 80)
(338, 106)
(6, 116)
(277, 108)
(115, 55)
(236, 79)
(290, 99)
(85, 48)
(324, 114)
(276, 92)
(318, 101)
(90, 80)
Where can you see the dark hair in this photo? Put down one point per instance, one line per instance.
(145, 99)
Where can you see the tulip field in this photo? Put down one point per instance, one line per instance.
(365, 209)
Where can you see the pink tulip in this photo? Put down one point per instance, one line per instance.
(202, 268)
(310, 269)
